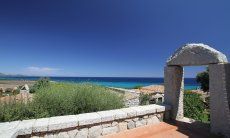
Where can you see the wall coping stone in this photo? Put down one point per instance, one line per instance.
(88, 118)
(62, 122)
(24, 127)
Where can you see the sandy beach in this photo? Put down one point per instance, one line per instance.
(14, 83)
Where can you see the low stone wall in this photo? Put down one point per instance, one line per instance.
(132, 102)
(131, 96)
(88, 125)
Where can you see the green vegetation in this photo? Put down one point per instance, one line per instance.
(40, 84)
(195, 108)
(62, 99)
(203, 79)
(144, 99)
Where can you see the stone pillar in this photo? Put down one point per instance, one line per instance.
(219, 87)
(174, 90)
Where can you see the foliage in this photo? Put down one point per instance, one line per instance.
(62, 99)
(144, 99)
(195, 108)
(40, 84)
(203, 79)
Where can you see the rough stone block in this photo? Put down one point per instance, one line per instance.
(82, 133)
(174, 90)
(41, 125)
(63, 135)
(196, 54)
(135, 119)
(144, 110)
(95, 131)
(131, 124)
(9, 134)
(109, 130)
(88, 118)
(220, 98)
(106, 125)
(50, 136)
(122, 126)
(25, 127)
(153, 120)
(130, 112)
(160, 108)
(8, 126)
(140, 123)
(114, 123)
(106, 115)
(119, 114)
(62, 122)
(140, 110)
(72, 133)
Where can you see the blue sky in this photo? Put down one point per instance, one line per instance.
(117, 38)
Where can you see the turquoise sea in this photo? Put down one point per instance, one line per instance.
(120, 82)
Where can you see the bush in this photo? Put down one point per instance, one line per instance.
(62, 99)
(40, 84)
(194, 107)
(20, 111)
(203, 79)
(8, 90)
(144, 99)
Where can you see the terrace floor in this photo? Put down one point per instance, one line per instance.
(168, 130)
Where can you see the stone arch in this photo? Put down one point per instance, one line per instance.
(219, 72)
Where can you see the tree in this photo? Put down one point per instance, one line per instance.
(203, 79)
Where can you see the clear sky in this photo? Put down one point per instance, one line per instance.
(106, 37)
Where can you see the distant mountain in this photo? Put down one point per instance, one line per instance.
(10, 75)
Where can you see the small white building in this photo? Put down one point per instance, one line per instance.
(24, 89)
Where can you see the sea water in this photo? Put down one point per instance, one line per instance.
(120, 82)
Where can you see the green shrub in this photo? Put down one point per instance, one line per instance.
(20, 111)
(194, 107)
(62, 99)
(144, 99)
(40, 84)
(203, 79)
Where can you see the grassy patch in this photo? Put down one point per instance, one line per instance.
(62, 99)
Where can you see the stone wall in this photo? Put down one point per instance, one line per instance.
(131, 97)
(132, 102)
(220, 99)
(88, 125)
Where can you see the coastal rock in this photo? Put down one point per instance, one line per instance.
(196, 54)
